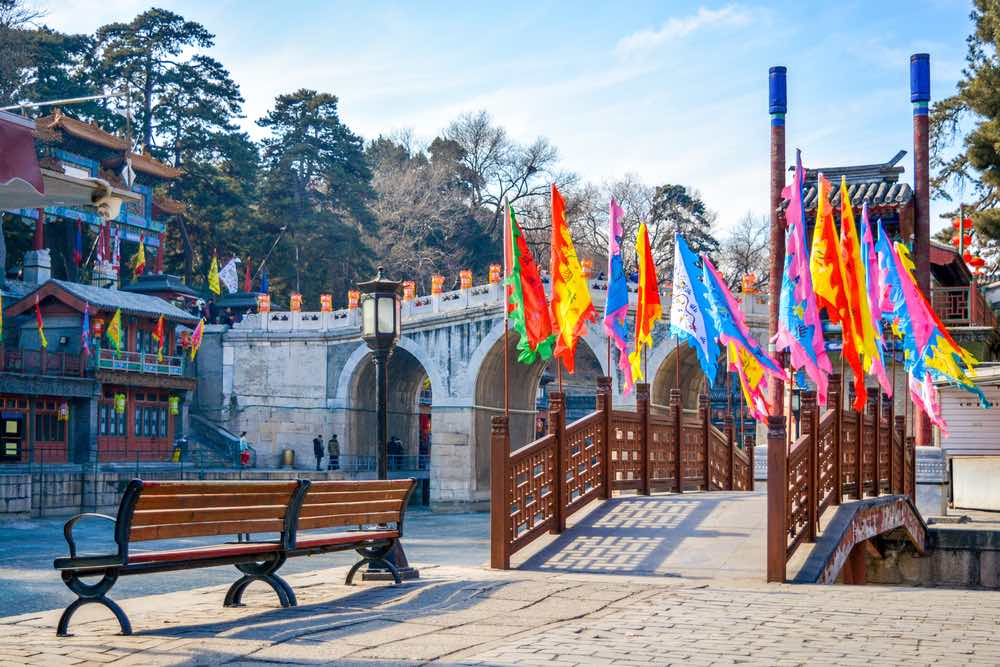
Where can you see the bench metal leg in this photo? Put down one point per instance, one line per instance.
(264, 572)
(91, 594)
(375, 555)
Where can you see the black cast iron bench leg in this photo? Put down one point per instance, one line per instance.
(91, 594)
(265, 572)
(374, 555)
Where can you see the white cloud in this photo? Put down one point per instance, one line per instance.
(680, 27)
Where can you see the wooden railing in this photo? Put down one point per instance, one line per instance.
(535, 488)
(41, 362)
(140, 362)
(963, 306)
(840, 454)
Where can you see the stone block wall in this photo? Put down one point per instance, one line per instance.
(959, 556)
(15, 494)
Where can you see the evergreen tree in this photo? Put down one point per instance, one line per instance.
(678, 209)
(975, 104)
(316, 181)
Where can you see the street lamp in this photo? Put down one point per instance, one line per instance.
(380, 301)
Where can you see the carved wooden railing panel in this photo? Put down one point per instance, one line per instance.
(868, 454)
(719, 460)
(626, 450)
(531, 500)
(583, 461)
(797, 507)
(826, 469)
(693, 456)
(743, 471)
(884, 454)
(662, 445)
(849, 452)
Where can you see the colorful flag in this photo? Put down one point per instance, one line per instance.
(159, 335)
(116, 250)
(139, 260)
(114, 332)
(875, 300)
(648, 310)
(41, 325)
(103, 243)
(85, 330)
(744, 354)
(196, 336)
(925, 396)
(862, 332)
(799, 327)
(229, 276)
(78, 244)
(264, 284)
(616, 305)
(571, 305)
(213, 276)
(527, 310)
(690, 316)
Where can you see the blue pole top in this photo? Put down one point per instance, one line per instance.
(777, 90)
(920, 77)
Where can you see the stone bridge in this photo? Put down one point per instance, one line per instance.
(285, 377)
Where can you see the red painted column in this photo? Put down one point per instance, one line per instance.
(777, 106)
(920, 95)
(777, 498)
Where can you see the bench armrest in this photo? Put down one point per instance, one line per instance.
(68, 528)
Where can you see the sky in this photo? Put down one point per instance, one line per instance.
(675, 92)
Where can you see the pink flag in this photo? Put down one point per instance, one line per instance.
(616, 304)
(877, 297)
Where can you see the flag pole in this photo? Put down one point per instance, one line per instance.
(507, 262)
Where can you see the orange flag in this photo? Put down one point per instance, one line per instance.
(648, 310)
(857, 296)
(571, 306)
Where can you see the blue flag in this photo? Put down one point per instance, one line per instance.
(263, 281)
(689, 309)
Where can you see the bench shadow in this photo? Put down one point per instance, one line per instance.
(631, 535)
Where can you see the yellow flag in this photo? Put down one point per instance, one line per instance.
(857, 290)
(213, 277)
(571, 304)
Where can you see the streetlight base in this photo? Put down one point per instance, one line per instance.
(397, 557)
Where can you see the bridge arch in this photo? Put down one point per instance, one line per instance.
(664, 378)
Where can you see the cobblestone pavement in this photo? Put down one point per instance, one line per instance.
(473, 616)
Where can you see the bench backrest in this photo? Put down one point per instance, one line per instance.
(166, 510)
(332, 504)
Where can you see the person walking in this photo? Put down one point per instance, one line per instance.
(333, 453)
(244, 449)
(318, 450)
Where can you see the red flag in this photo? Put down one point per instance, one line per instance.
(571, 305)
(41, 325)
(159, 335)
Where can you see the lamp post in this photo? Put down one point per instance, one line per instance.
(380, 302)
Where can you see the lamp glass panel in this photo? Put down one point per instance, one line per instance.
(368, 316)
(386, 315)
(398, 316)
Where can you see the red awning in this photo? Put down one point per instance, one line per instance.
(18, 161)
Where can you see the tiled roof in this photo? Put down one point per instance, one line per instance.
(15, 290)
(878, 183)
(162, 282)
(129, 302)
(77, 128)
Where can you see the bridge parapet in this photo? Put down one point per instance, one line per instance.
(480, 299)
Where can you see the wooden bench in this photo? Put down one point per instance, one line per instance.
(151, 511)
(376, 508)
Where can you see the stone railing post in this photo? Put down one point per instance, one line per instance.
(811, 426)
(731, 444)
(557, 427)
(899, 443)
(500, 527)
(875, 405)
(675, 416)
(777, 499)
(604, 407)
(835, 400)
(642, 408)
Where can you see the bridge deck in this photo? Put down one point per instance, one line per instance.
(717, 535)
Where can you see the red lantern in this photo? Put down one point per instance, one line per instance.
(967, 256)
(977, 262)
(955, 241)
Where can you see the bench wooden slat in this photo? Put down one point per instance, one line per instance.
(310, 522)
(169, 531)
(237, 486)
(324, 486)
(205, 515)
(198, 501)
(318, 509)
(316, 497)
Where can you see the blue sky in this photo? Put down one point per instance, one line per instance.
(672, 91)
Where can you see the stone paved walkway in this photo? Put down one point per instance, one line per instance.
(473, 616)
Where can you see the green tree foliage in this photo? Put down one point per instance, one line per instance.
(975, 167)
(680, 209)
(315, 180)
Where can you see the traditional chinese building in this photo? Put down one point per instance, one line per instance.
(64, 404)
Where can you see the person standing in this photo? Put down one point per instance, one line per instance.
(318, 450)
(244, 449)
(333, 453)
